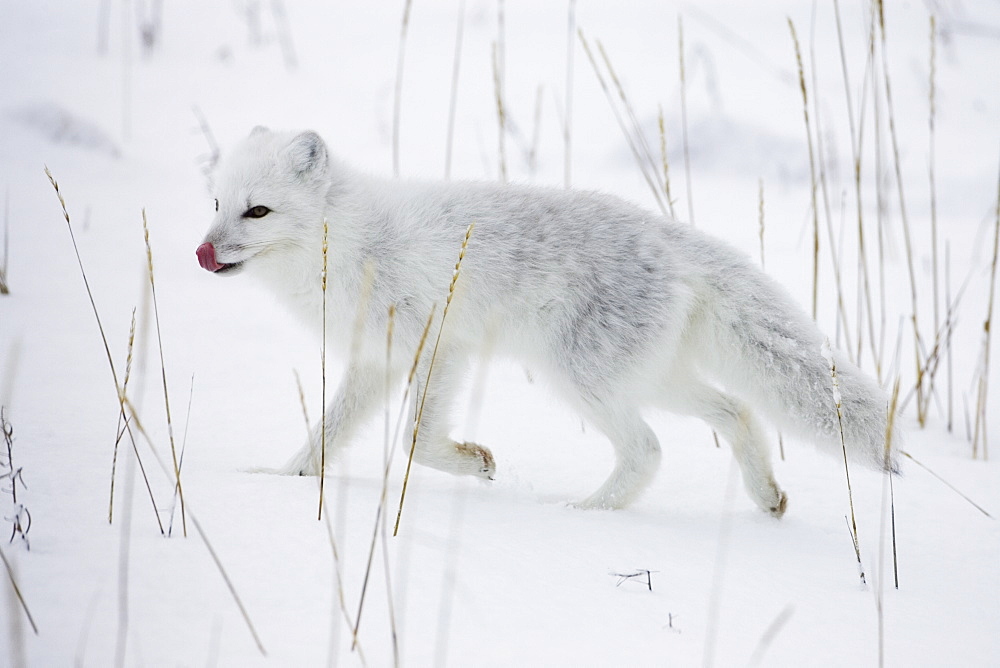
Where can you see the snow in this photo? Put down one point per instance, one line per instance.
(506, 573)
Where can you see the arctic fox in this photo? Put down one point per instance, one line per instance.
(620, 308)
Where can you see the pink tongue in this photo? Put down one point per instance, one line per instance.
(206, 257)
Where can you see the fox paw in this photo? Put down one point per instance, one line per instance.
(476, 460)
(778, 509)
(302, 463)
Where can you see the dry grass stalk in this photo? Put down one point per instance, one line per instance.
(134, 419)
(342, 603)
(4, 288)
(648, 167)
(453, 99)
(430, 370)
(536, 132)
(684, 119)
(942, 344)
(770, 633)
(17, 592)
(880, 205)
(984, 374)
(640, 136)
(666, 164)
(921, 414)
(398, 95)
(760, 219)
(812, 169)
(821, 160)
(379, 515)
(948, 318)
(930, 170)
(124, 545)
(163, 374)
(760, 214)
(568, 122)
(180, 467)
(302, 400)
(947, 484)
(229, 584)
(122, 400)
(864, 285)
(322, 426)
(501, 114)
(121, 416)
(887, 495)
(853, 525)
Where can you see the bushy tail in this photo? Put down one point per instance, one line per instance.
(769, 353)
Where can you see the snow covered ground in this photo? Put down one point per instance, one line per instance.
(481, 574)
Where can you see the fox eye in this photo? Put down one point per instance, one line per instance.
(216, 205)
(258, 211)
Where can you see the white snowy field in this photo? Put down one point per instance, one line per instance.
(505, 573)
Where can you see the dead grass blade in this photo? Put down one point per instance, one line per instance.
(163, 373)
(322, 425)
(947, 484)
(984, 375)
(430, 370)
(812, 169)
(853, 524)
(107, 349)
(453, 98)
(648, 167)
(398, 94)
(17, 592)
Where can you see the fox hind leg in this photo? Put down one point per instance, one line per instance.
(637, 453)
(736, 423)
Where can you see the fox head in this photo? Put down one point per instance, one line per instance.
(270, 197)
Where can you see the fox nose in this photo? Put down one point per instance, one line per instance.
(206, 257)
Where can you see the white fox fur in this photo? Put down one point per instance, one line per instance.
(621, 309)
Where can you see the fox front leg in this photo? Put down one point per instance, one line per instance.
(355, 400)
(430, 412)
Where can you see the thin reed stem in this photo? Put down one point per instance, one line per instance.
(930, 167)
(821, 160)
(453, 98)
(17, 592)
(812, 170)
(666, 163)
(501, 114)
(197, 527)
(107, 349)
(684, 119)
(647, 165)
(121, 416)
(948, 319)
(302, 400)
(568, 121)
(163, 373)
(430, 370)
(322, 426)
(921, 415)
(947, 484)
(886, 497)
(379, 515)
(984, 374)
(853, 524)
(398, 92)
(4, 287)
(760, 219)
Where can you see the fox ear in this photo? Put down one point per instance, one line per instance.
(306, 153)
(259, 130)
